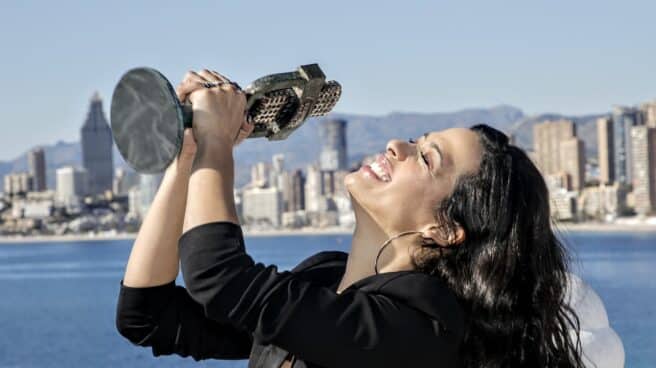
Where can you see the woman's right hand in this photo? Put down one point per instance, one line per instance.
(219, 112)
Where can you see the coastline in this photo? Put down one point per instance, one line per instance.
(597, 227)
(563, 228)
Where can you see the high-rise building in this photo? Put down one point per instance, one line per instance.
(603, 202)
(71, 185)
(262, 205)
(623, 119)
(260, 175)
(547, 137)
(643, 152)
(333, 152)
(18, 183)
(572, 161)
(124, 180)
(97, 148)
(328, 183)
(297, 197)
(605, 150)
(37, 164)
(649, 113)
(313, 188)
(278, 177)
(338, 182)
(558, 151)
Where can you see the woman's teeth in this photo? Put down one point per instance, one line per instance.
(379, 171)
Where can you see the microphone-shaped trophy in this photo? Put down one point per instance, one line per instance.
(148, 120)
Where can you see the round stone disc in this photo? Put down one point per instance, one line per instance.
(146, 120)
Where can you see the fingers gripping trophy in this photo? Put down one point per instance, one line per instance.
(148, 116)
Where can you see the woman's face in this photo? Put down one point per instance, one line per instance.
(416, 176)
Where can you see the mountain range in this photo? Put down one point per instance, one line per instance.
(366, 134)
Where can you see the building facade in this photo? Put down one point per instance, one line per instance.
(71, 185)
(643, 152)
(262, 206)
(96, 140)
(547, 137)
(605, 150)
(572, 161)
(333, 152)
(624, 118)
(18, 183)
(36, 162)
(297, 195)
(558, 150)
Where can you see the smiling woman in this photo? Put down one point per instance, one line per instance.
(453, 262)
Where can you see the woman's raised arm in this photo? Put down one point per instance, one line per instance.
(154, 257)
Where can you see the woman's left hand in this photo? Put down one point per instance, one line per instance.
(219, 112)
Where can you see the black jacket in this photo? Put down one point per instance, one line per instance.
(234, 308)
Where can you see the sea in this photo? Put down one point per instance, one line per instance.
(58, 300)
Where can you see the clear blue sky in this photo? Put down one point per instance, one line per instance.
(425, 56)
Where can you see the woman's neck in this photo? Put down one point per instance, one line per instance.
(367, 238)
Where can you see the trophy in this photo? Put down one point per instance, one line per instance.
(148, 120)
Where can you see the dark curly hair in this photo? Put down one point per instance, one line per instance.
(510, 272)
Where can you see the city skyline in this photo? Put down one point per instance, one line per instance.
(540, 56)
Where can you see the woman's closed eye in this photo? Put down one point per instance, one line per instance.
(413, 141)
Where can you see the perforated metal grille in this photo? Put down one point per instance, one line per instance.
(328, 97)
(270, 106)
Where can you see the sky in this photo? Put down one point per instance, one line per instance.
(571, 57)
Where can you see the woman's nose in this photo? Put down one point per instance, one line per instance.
(398, 149)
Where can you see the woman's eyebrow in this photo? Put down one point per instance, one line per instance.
(433, 145)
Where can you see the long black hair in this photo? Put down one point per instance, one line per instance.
(510, 272)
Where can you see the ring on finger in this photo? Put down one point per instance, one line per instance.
(212, 84)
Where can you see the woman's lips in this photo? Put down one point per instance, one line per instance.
(384, 163)
(368, 171)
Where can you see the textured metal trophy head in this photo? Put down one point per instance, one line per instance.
(148, 121)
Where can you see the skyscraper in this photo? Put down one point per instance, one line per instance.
(547, 137)
(649, 113)
(262, 205)
(643, 152)
(297, 197)
(623, 119)
(37, 164)
(71, 185)
(605, 150)
(313, 188)
(333, 152)
(97, 148)
(572, 161)
(559, 151)
(19, 183)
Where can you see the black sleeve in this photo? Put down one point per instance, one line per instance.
(351, 329)
(168, 320)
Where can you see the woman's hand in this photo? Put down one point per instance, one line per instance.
(219, 112)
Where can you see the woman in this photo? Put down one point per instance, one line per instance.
(453, 262)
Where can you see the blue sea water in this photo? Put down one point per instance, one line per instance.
(57, 300)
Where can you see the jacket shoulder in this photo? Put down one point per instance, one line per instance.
(325, 259)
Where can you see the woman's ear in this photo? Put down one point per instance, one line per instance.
(442, 236)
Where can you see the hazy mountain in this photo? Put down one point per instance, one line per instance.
(586, 129)
(366, 134)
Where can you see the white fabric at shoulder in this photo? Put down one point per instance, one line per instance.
(602, 347)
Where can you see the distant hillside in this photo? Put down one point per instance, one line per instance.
(365, 135)
(586, 129)
(57, 155)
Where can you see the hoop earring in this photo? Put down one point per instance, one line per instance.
(386, 243)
